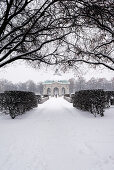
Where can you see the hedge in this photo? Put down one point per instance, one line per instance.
(67, 95)
(72, 97)
(17, 102)
(43, 99)
(109, 95)
(68, 99)
(90, 100)
(46, 95)
(112, 101)
(2, 101)
(38, 97)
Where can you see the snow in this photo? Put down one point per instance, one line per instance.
(56, 136)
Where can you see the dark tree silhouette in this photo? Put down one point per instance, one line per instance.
(57, 32)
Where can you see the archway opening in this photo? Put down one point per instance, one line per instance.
(63, 91)
(56, 91)
(49, 92)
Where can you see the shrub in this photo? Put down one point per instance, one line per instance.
(2, 101)
(90, 100)
(67, 95)
(112, 101)
(38, 97)
(46, 95)
(72, 97)
(18, 102)
(108, 96)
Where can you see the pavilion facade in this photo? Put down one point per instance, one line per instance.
(58, 87)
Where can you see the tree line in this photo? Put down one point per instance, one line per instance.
(75, 85)
(30, 85)
(82, 84)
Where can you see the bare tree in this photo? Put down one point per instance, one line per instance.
(94, 42)
(57, 32)
(31, 30)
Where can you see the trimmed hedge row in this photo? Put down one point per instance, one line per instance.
(38, 97)
(17, 102)
(67, 95)
(90, 100)
(109, 96)
(42, 99)
(112, 101)
(68, 99)
(46, 95)
(72, 97)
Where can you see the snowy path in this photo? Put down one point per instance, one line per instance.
(56, 136)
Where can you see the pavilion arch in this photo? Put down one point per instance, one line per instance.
(56, 91)
(60, 87)
(63, 91)
(48, 91)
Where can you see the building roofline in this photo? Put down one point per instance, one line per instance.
(56, 81)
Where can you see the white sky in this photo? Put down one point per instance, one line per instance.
(21, 72)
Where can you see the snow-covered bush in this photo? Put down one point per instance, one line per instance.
(67, 95)
(46, 95)
(112, 101)
(18, 102)
(109, 95)
(38, 97)
(68, 99)
(90, 100)
(44, 98)
(2, 101)
(72, 97)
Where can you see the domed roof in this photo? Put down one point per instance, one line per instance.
(56, 81)
(56, 78)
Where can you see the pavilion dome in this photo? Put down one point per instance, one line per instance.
(57, 77)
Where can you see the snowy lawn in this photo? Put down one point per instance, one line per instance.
(56, 136)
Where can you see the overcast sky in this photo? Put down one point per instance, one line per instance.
(21, 72)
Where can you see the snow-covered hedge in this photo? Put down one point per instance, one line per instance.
(109, 96)
(46, 95)
(112, 101)
(90, 100)
(2, 101)
(68, 99)
(43, 99)
(17, 102)
(38, 97)
(67, 95)
(72, 97)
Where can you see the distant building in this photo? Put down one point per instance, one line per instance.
(56, 87)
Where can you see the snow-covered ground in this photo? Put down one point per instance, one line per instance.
(56, 136)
